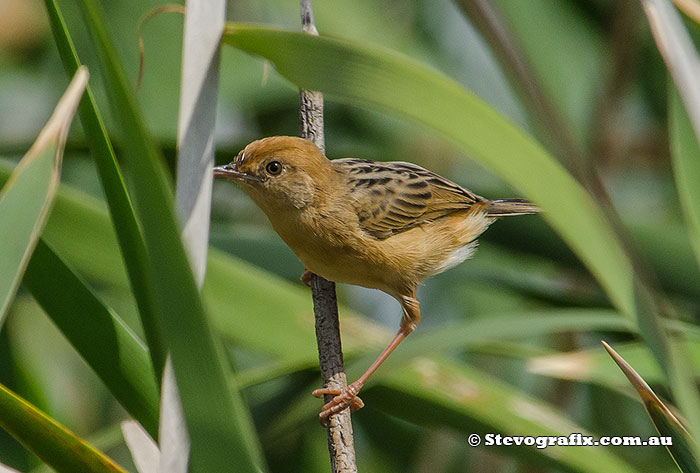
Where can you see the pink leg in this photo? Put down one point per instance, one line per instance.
(348, 397)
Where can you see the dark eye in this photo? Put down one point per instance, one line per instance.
(273, 167)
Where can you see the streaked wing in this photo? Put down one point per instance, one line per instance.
(392, 197)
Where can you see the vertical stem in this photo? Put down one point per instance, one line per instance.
(330, 354)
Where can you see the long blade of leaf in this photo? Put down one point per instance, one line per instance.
(101, 338)
(143, 448)
(6, 469)
(663, 419)
(48, 440)
(218, 422)
(204, 23)
(26, 199)
(678, 52)
(685, 153)
(120, 208)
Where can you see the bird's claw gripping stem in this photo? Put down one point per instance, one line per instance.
(306, 277)
(343, 398)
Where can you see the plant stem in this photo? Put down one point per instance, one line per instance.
(330, 354)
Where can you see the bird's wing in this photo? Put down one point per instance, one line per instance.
(392, 197)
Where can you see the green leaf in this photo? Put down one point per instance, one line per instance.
(48, 440)
(666, 423)
(685, 153)
(26, 199)
(121, 210)
(219, 425)
(101, 338)
(361, 75)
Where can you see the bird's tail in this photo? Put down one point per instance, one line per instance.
(508, 207)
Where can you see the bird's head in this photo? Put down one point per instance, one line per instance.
(279, 172)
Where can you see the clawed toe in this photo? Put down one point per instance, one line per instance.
(306, 277)
(343, 398)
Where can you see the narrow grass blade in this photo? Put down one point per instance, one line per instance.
(218, 422)
(679, 54)
(48, 440)
(357, 74)
(26, 199)
(7, 469)
(120, 208)
(204, 24)
(174, 441)
(590, 365)
(691, 8)
(101, 338)
(663, 419)
(685, 153)
(144, 450)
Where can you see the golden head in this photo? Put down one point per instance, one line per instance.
(278, 172)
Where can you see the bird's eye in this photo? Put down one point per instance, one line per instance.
(273, 167)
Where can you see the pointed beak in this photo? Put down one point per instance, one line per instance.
(228, 171)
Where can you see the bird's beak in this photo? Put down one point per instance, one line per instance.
(228, 171)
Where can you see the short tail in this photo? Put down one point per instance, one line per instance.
(508, 207)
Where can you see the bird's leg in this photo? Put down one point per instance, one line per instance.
(306, 277)
(347, 397)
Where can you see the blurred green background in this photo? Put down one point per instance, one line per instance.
(597, 65)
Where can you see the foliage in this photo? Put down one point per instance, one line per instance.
(510, 339)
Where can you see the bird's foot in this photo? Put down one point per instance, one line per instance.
(343, 398)
(306, 277)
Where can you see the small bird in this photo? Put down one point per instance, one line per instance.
(381, 225)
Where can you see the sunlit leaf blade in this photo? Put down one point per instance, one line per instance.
(48, 440)
(204, 23)
(26, 199)
(7, 469)
(218, 422)
(679, 54)
(121, 210)
(685, 153)
(144, 451)
(103, 340)
(174, 441)
(593, 366)
(691, 8)
(359, 75)
(665, 422)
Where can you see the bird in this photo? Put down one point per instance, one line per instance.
(381, 225)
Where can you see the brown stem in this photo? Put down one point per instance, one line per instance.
(330, 353)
